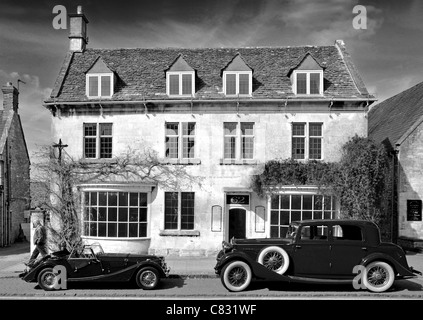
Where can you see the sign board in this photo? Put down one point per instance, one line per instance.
(414, 210)
(237, 199)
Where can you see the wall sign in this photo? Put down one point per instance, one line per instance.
(237, 199)
(414, 210)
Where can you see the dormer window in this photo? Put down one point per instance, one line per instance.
(237, 83)
(237, 78)
(180, 78)
(308, 82)
(307, 77)
(100, 81)
(180, 83)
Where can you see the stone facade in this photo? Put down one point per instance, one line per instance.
(15, 167)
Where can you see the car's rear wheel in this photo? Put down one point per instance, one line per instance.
(378, 276)
(47, 279)
(236, 276)
(274, 258)
(147, 278)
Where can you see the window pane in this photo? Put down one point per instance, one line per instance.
(123, 199)
(274, 204)
(188, 148)
(105, 129)
(230, 84)
(143, 215)
(133, 230)
(133, 214)
(133, 199)
(143, 199)
(112, 214)
(122, 229)
(314, 83)
(229, 152)
(106, 86)
(112, 229)
(171, 210)
(188, 128)
(285, 202)
(105, 147)
(244, 84)
(172, 129)
(298, 129)
(112, 198)
(247, 148)
(315, 130)
(187, 84)
(102, 229)
(142, 229)
(174, 84)
(301, 83)
(315, 148)
(187, 210)
(102, 214)
(123, 214)
(90, 129)
(93, 86)
(298, 148)
(171, 147)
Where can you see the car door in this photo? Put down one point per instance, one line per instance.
(348, 247)
(84, 265)
(311, 252)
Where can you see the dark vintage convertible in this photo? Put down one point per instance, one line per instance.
(316, 251)
(92, 264)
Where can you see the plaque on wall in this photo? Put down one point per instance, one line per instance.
(414, 210)
(237, 199)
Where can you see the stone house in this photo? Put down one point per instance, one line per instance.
(220, 113)
(14, 169)
(397, 122)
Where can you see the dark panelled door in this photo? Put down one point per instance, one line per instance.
(237, 223)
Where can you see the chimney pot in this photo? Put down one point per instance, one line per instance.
(79, 10)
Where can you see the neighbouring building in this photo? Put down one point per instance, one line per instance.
(221, 113)
(14, 169)
(397, 122)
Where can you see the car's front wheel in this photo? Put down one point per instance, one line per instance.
(47, 279)
(147, 278)
(274, 258)
(378, 276)
(236, 276)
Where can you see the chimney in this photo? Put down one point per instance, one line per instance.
(78, 31)
(10, 97)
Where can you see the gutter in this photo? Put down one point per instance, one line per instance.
(108, 102)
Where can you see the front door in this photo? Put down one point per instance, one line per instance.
(237, 223)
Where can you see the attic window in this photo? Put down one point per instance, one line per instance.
(99, 80)
(308, 82)
(99, 86)
(180, 83)
(237, 83)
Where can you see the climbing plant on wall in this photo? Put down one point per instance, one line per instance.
(361, 180)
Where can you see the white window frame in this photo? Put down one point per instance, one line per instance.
(307, 137)
(180, 136)
(98, 76)
(179, 212)
(307, 72)
(180, 73)
(237, 73)
(238, 140)
(97, 137)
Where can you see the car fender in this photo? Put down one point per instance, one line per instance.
(142, 264)
(32, 275)
(399, 268)
(259, 271)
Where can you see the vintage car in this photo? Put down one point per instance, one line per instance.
(316, 251)
(91, 263)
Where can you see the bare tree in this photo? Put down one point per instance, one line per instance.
(61, 177)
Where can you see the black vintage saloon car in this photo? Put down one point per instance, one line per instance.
(316, 251)
(91, 264)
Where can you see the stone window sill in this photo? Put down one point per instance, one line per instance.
(179, 233)
(238, 162)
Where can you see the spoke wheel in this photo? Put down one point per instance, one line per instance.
(47, 279)
(147, 278)
(275, 259)
(236, 276)
(379, 276)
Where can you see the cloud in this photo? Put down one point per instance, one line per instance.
(34, 117)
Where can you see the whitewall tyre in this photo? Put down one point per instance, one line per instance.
(274, 258)
(378, 276)
(236, 276)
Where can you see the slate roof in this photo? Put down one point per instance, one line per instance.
(393, 119)
(141, 72)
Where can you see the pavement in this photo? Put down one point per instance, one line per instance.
(12, 261)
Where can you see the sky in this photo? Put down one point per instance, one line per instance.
(388, 52)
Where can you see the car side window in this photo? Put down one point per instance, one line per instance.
(314, 233)
(347, 232)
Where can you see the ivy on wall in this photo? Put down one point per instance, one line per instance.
(361, 180)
